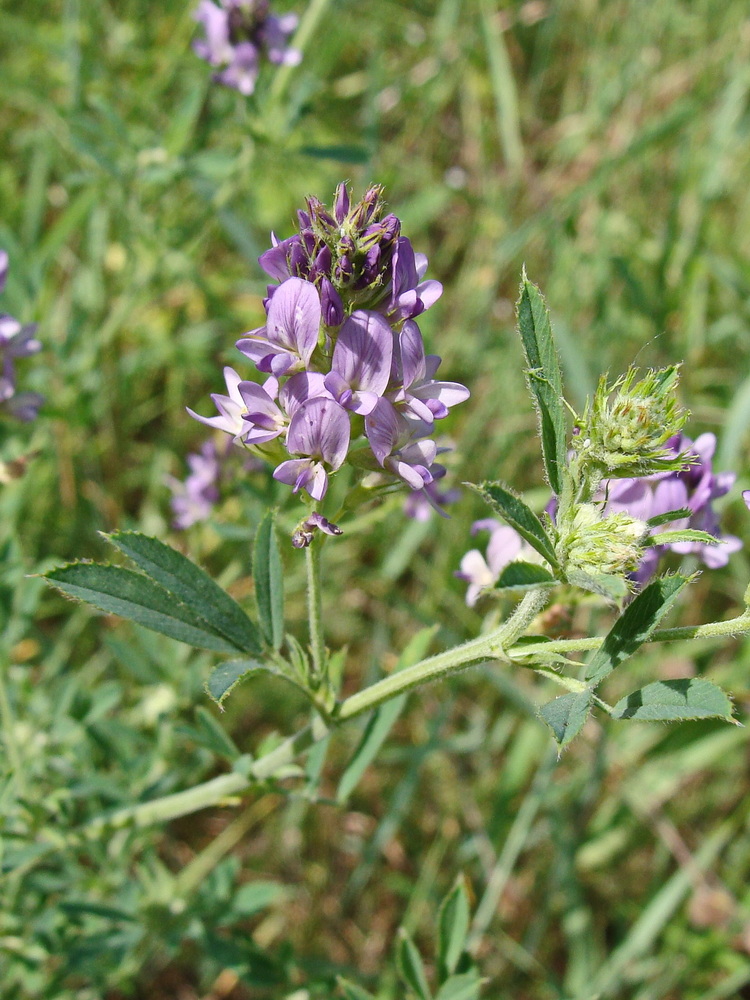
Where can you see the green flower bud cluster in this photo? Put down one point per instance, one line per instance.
(595, 545)
(623, 432)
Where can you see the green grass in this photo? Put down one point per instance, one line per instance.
(605, 145)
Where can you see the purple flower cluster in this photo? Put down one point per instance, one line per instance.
(342, 354)
(194, 498)
(693, 487)
(16, 341)
(238, 35)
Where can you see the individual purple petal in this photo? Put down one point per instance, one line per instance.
(746, 498)
(262, 420)
(291, 330)
(320, 429)
(301, 387)
(3, 269)
(215, 48)
(382, 427)
(362, 360)
(303, 474)
(331, 304)
(504, 546)
(341, 203)
(231, 408)
(275, 261)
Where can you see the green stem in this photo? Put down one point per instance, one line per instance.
(315, 611)
(732, 627)
(487, 647)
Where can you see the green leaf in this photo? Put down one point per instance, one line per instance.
(256, 896)
(353, 992)
(521, 575)
(635, 625)
(453, 926)
(512, 509)
(681, 535)
(544, 379)
(191, 585)
(411, 968)
(119, 591)
(464, 987)
(671, 515)
(269, 582)
(614, 588)
(214, 736)
(382, 720)
(224, 678)
(665, 701)
(566, 715)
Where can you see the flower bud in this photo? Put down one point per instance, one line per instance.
(594, 544)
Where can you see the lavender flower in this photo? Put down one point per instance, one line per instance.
(194, 499)
(344, 356)
(16, 341)
(694, 487)
(238, 35)
(483, 571)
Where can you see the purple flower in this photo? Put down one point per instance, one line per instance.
(361, 364)
(746, 498)
(319, 431)
(16, 341)
(238, 34)
(286, 343)
(305, 530)
(194, 499)
(232, 408)
(694, 487)
(482, 572)
(398, 446)
(418, 391)
(410, 296)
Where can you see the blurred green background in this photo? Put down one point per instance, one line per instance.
(603, 143)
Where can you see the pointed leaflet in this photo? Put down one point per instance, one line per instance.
(353, 992)
(544, 379)
(226, 676)
(635, 625)
(453, 926)
(269, 582)
(513, 510)
(566, 715)
(191, 585)
(665, 701)
(467, 986)
(119, 591)
(519, 575)
(411, 968)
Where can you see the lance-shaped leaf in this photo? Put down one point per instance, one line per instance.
(192, 586)
(453, 926)
(353, 992)
(467, 986)
(228, 675)
(635, 625)
(519, 575)
(544, 379)
(512, 509)
(269, 582)
(566, 715)
(670, 515)
(681, 535)
(123, 592)
(666, 701)
(411, 968)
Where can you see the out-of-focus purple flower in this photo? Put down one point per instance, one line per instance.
(286, 343)
(694, 488)
(194, 499)
(361, 364)
(422, 504)
(238, 35)
(16, 341)
(746, 498)
(319, 432)
(483, 571)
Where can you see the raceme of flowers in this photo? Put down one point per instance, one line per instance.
(694, 487)
(342, 355)
(16, 341)
(239, 35)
